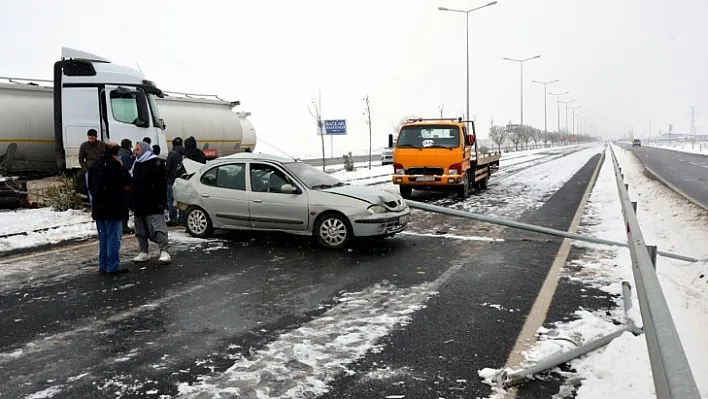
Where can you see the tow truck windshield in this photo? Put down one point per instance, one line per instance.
(429, 136)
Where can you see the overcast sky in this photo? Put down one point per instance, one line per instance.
(624, 61)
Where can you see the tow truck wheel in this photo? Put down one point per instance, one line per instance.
(406, 191)
(464, 190)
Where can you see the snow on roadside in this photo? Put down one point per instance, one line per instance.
(622, 368)
(699, 147)
(526, 190)
(363, 173)
(60, 226)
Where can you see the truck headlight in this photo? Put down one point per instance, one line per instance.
(377, 209)
(454, 172)
(400, 171)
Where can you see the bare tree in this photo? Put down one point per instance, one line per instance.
(367, 114)
(536, 136)
(315, 109)
(442, 108)
(526, 132)
(516, 137)
(498, 134)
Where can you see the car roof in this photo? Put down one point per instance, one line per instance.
(192, 166)
(250, 156)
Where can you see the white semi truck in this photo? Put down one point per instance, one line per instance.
(43, 123)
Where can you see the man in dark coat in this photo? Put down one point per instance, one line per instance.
(89, 152)
(192, 152)
(108, 182)
(149, 202)
(174, 169)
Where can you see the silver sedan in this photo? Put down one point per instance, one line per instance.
(261, 192)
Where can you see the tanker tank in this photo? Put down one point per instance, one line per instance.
(27, 126)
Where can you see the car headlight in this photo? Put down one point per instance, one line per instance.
(376, 209)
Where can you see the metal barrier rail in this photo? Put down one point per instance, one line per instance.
(672, 374)
(673, 378)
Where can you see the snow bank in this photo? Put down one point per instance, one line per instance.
(28, 228)
(622, 368)
(698, 147)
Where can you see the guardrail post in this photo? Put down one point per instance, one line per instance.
(652, 254)
(634, 206)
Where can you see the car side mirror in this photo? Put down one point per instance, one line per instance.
(287, 189)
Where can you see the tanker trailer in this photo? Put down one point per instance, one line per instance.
(42, 127)
(27, 139)
(217, 127)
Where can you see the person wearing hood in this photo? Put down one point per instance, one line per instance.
(174, 169)
(149, 202)
(108, 183)
(192, 152)
(126, 157)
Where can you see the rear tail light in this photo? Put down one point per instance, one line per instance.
(455, 169)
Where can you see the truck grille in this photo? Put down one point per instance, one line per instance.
(425, 171)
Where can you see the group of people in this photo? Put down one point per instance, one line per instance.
(119, 179)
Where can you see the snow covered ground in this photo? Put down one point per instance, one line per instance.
(28, 228)
(698, 147)
(622, 369)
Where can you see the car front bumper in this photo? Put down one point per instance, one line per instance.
(381, 224)
(428, 181)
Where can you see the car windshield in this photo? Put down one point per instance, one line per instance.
(311, 176)
(429, 136)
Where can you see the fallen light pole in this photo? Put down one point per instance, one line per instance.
(508, 380)
(533, 228)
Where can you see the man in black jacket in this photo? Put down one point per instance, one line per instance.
(108, 182)
(173, 169)
(192, 152)
(149, 203)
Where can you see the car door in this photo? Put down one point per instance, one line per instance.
(223, 193)
(270, 208)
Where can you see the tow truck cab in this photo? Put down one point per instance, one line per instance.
(439, 154)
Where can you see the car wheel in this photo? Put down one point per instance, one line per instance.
(333, 231)
(198, 223)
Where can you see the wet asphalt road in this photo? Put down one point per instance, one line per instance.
(687, 172)
(69, 331)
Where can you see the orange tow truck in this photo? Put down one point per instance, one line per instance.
(440, 154)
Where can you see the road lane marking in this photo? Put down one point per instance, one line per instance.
(539, 310)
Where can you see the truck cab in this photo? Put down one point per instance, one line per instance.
(439, 154)
(118, 102)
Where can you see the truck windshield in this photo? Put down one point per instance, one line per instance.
(156, 119)
(429, 136)
(312, 177)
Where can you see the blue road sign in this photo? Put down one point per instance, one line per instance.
(336, 127)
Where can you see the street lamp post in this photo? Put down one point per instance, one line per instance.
(545, 102)
(574, 108)
(467, 41)
(566, 113)
(521, 62)
(559, 106)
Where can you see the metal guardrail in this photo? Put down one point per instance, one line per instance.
(672, 374)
